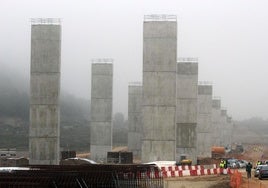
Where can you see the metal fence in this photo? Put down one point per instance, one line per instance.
(71, 176)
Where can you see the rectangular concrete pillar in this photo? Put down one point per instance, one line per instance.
(230, 127)
(186, 117)
(101, 109)
(44, 130)
(216, 118)
(134, 118)
(224, 128)
(159, 87)
(204, 121)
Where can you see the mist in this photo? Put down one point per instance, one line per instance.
(229, 38)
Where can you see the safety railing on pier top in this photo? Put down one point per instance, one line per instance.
(216, 98)
(187, 60)
(135, 84)
(204, 83)
(45, 21)
(223, 108)
(160, 17)
(102, 60)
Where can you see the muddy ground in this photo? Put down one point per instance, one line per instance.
(212, 181)
(253, 153)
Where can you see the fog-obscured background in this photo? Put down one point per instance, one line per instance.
(229, 37)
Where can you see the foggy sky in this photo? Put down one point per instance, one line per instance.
(229, 37)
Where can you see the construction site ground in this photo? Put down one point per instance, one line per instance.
(213, 181)
(252, 153)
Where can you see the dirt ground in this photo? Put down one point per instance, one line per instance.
(252, 153)
(212, 181)
(253, 183)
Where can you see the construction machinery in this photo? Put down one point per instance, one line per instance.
(217, 152)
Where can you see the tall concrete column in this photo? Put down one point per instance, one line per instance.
(44, 127)
(230, 130)
(159, 87)
(216, 115)
(224, 127)
(186, 118)
(204, 128)
(134, 118)
(101, 109)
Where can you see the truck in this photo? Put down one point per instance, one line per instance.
(217, 152)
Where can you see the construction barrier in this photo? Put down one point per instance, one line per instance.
(198, 170)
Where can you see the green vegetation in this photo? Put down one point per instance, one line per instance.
(74, 114)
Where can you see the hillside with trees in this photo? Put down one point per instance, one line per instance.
(74, 114)
(75, 119)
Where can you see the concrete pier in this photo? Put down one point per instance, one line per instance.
(224, 127)
(159, 87)
(101, 109)
(230, 127)
(134, 118)
(216, 124)
(186, 117)
(44, 127)
(204, 121)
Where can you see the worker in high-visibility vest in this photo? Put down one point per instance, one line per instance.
(258, 163)
(225, 163)
(222, 164)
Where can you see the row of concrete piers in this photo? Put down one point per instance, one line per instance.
(170, 114)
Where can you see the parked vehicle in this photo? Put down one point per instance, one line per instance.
(242, 163)
(257, 170)
(232, 163)
(263, 172)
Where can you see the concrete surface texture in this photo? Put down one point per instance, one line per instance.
(101, 110)
(45, 91)
(134, 119)
(204, 129)
(216, 121)
(159, 90)
(230, 129)
(224, 128)
(186, 116)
